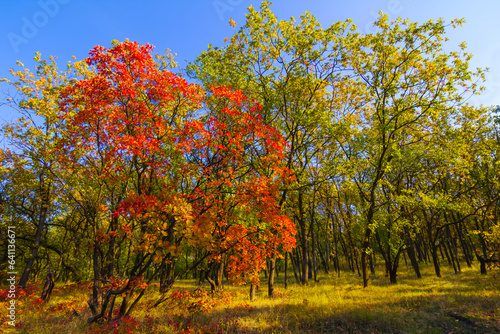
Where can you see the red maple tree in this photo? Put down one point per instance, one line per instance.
(210, 182)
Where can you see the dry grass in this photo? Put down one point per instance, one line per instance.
(463, 303)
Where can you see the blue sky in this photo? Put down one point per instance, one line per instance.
(64, 28)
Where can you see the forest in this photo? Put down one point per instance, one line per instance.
(294, 155)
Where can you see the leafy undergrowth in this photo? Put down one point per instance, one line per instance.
(463, 303)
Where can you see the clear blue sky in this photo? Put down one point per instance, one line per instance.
(72, 27)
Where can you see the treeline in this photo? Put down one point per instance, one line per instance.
(295, 148)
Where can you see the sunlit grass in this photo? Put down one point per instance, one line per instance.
(461, 303)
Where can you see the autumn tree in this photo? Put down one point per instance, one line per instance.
(236, 163)
(31, 158)
(166, 179)
(290, 68)
(407, 83)
(123, 122)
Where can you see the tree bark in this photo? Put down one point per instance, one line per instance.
(286, 268)
(49, 285)
(272, 273)
(303, 242)
(294, 265)
(435, 260)
(253, 289)
(42, 220)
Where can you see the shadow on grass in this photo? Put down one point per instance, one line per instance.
(424, 315)
(454, 303)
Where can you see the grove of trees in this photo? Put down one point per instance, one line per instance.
(292, 148)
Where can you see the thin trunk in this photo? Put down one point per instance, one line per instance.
(286, 267)
(110, 256)
(435, 260)
(348, 254)
(372, 263)
(353, 251)
(42, 219)
(422, 253)
(314, 260)
(482, 257)
(220, 273)
(266, 269)
(253, 289)
(385, 255)
(49, 285)
(323, 261)
(272, 273)
(410, 249)
(313, 240)
(453, 254)
(463, 245)
(444, 250)
(364, 249)
(336, 259)
(394, 265)
(167, 275)
(95, 286)
(297, 280)
(303, 242)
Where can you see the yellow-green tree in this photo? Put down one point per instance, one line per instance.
(33, 139)
(407, 83)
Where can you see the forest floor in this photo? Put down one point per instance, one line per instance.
(455, 303)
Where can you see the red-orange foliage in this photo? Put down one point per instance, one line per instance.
(238, 163)
(210, 182)
(129, 108)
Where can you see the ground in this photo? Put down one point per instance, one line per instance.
(456, 303)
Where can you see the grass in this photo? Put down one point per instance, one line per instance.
(464, 303)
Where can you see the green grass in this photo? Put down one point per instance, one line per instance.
(463, 303)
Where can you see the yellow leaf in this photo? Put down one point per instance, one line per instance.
(232, 23)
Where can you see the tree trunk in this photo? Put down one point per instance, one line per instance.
(167, 276)
(253, 289)
(482, 258)
(336, 259)
(435, 260)
(303, 242)
(393, 273)
(323, 259)
(286, 267)
(372, 264)
(410, 249)
(42, 219)
(348, 254)
(366, 245)
(220, 273)
(482, 262)
(354, 253)
(314, 259)
(266, 269)
(394, 266)
(110, 256)
(463, 245)
(272, 273)
(94, 302)
(49, 285)
(313, 243)
(294, 265)
(453, 258)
